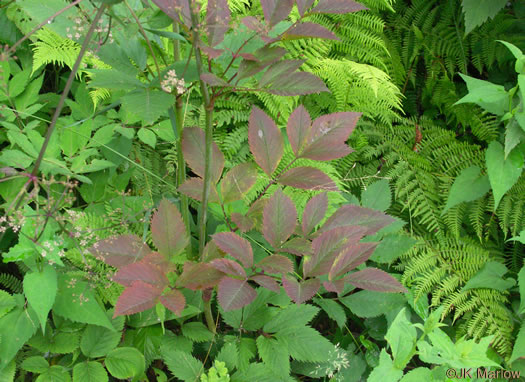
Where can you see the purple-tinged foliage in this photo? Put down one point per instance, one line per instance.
(236, 246)
(193, 144)
(174, 300)
(276, 264)
(121, 250)
(139, 296)
(308, 178)
(234, 293)
(279, 219)
(354, 215)
(300, 291)
(314, 212)
(217, 20)
(192, 187)
(276, 10)
(309, 30)
(266, 141)
(376, 280)
(237, 182)
(337, 6)
(228, 267)
(168, 231)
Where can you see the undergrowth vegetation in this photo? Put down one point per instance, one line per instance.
(234, 190)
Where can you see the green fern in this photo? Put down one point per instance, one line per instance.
(10, 282)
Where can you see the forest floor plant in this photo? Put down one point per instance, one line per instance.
(108, 279)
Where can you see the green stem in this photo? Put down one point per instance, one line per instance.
(208, 107)
(175, 115)
(209, 316)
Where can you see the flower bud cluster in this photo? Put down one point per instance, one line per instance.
(171, 82)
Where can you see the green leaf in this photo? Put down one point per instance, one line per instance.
(18, 83)
(479, 11)
(54, 374)
(7, 302)
(167, 34)
(367, 303)
(377, 196)
(15, 158)
(491, 276)
(503, 173)
(514, 134)
(333, 309)
(76, 301)
(40, 289)
(147, 136)
(59, 342)
(292, 316)
(147, 104)
(98, 341)
(7, 374)
(306, 344)
(197, 332)
(462, 354)
(391, 247)
(89, 372)
(489, 96)
(16, 327)
(183, 365)
(36, 364)
(521, 283)
(385, 371)
(125, 362)
(114, 79)
(469, 185)
(275, 355)
(418, 374)
(402, 337)
(519, 346)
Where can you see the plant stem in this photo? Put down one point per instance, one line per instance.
(176, 119)
(208, 107)
(208, 315)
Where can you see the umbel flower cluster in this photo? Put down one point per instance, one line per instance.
(171, 82)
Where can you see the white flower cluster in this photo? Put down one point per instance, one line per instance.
(172, 82)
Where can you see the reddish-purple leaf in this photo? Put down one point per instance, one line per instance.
(159, 260)
(212, 80)
(265, 139)
(174, 300)
(192, 187)
(298, 83)
(173, 8)
(121, 250)
(217, 20)
(326, 140)
(266, 56)
(266, 282)
(351, 257)
(303, 5)
(279, 219)
(376, 280)
(298, 246)
(237, 182)
(305, 30)
(229, 267)
(337, 286)
(327, 246)
(236, 246)
(143, 271)
(276, 264)
(297, 128)
(300, 291)
(308, 178)
(253, 23)
(234, 294)
(255, 213)
(211, 52)
(354, 215)
(278, 70)
(337, 6)
(211, 252)
(168, 231)
(276, 10)
(314, 212)
(193, 144)
(197, 276)
(136, 298)
(244, 223)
